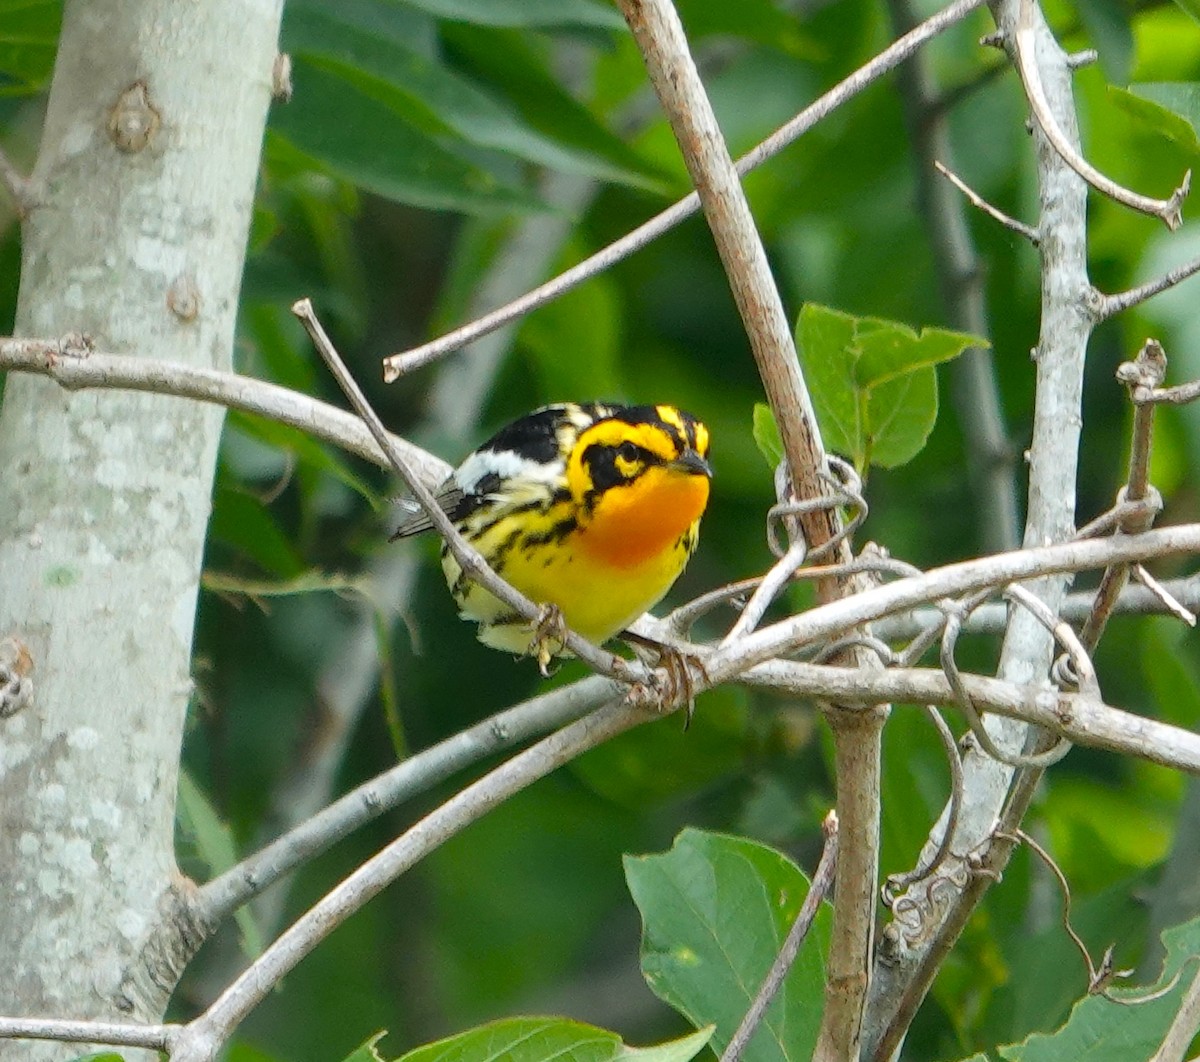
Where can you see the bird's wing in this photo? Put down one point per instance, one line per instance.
(450, 499)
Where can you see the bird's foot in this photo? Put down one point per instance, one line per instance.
(673, 679)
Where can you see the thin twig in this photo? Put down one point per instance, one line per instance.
(1024, 42)
(406, 361)
(1180, 395)
(471, 561)
(682, 619)
(966, 705)
(995, 213)
(1160, 593)
(1105, 306)
(1102, 974)
(1095, 975)
(817, 890)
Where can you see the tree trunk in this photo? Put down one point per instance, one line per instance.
(143, 189)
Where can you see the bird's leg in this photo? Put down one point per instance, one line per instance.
(548, 628)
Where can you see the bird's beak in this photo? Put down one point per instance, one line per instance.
(692, 464)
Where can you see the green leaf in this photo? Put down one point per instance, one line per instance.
(1107, 24)
(526, 13)
(28, 42)
(766, 434)
(517, 70)
(1169, 108)
(212, 841)
(324, 123)
(1102, 1031)
(538, 1039)
(873, 383)
(367, 1052)
(715, 910)
(102, 1056)
(422, 91)
(244, 523)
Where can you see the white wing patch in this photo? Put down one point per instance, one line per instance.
(510, 467)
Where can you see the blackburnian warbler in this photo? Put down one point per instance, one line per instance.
(593, 508)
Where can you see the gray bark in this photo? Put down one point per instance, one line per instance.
(143, 189)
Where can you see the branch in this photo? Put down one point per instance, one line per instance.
(1170, 211)
(1105, 306)
(1145, 373)
(74, 365)
(1081, 719)
(660, 38)
(992, 618)
(407, 361)
(226, 893)
(837, 618)
(115, 1034)
(202, 1039)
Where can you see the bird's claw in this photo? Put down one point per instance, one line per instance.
(672, 680)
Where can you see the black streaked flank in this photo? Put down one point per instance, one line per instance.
(556, 532)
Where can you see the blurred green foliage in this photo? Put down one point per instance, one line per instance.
(414, 152)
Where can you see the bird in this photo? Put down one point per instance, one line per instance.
(590, 509)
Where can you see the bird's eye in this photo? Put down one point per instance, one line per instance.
(627, 451)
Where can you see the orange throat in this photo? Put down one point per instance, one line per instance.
(634, 524)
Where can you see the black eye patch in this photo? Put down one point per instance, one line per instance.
(601, 461)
